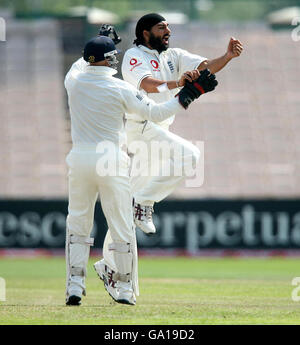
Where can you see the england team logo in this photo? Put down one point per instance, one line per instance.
(171, 66)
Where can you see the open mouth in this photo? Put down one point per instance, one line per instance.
(166, 40)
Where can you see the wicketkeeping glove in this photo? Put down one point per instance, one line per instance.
(109, 31)
(206, 82)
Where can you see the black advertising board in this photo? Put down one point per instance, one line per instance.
(188, 224)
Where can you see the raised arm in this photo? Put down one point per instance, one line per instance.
(234, 49)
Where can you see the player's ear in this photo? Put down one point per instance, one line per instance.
(146, 35)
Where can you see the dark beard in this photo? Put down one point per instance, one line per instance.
(156, 43)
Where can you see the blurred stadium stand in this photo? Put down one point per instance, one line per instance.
(250, 125)
(34, 131)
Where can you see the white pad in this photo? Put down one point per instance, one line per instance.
(123, 259)
(110, 260)
(77, 255)
(82, 240)
(119, 247)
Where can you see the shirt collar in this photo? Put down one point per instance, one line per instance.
(148, 50)
(101, 70)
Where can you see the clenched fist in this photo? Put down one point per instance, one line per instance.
(235, 48)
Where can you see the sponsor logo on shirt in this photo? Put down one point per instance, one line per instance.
(154, 64)
(171, 66)
(133, 62)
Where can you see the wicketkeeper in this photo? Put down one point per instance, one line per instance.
(98, 103)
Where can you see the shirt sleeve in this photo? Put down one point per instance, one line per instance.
(134, 69)
(137, 103)
(188, 61)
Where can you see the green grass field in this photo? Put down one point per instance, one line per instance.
(172, 291)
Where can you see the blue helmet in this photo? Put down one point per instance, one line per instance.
(98, 49)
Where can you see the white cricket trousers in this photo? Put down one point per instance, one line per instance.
(85, 185)
(163, 159)
(146, 188)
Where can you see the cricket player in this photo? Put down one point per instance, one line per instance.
(98, 103)
(159, 71)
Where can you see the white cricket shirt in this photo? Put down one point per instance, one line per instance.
(98, 103)
(141, 62)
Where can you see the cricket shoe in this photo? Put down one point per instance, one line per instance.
(75, 291)
(73, 300)
(143, 218)
(106, 275)
(126, 294)
(119, 291)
